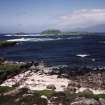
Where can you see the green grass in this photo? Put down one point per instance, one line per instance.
(27, 100)
(86, 95)
(8, 70)
(35, 98)
(8, 67)
(70, 95)
(47, 93)
(4, 89)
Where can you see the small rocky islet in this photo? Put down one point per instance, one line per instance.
(35, 83)
(4, 44)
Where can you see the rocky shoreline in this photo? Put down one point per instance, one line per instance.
(37, 76)
(85, 77)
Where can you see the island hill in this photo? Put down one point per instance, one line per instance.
(55, 32)
(58, 32)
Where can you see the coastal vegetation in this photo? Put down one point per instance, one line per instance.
(4, 89)
(8, 70)
(7, 43)
(47, 93)
(26, 97)
(8, 67)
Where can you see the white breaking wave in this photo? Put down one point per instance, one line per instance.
(31, 39)
(39, 39)
(7, 35)
(19, 40)
(79, 37)
(82, 55)
(24, 35)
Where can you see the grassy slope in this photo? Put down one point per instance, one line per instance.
(8, 70)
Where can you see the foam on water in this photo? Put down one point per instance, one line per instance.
(8, 35)
(40, 39)
(82, 55)
(19, 40)
(24, 35)
(31, 39)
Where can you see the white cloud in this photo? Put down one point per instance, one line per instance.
(81, 19)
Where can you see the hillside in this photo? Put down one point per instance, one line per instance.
(58, 32)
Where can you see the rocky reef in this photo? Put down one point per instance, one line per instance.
(7, 44)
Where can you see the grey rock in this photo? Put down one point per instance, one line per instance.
(102, 101)
(85, 101)
(52, 87)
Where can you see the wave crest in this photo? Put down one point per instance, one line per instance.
(41, 39)
(82, 55)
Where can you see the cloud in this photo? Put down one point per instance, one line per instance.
(81, 19)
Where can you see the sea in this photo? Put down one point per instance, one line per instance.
(73, 50)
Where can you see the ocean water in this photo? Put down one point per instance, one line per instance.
(72, 50)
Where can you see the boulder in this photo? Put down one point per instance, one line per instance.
(87, 91)
(74, 84)
(71, 89)
(33, 67)
(51, 86)
(44, 97)
(2, 60)
(102, 101)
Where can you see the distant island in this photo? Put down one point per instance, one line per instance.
(58, 32)
(55, 32)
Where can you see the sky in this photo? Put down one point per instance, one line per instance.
(39, 15)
